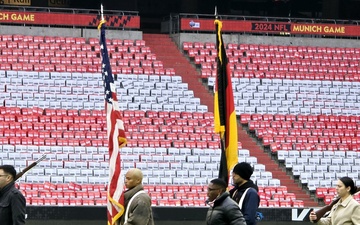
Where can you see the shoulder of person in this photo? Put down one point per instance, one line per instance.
(142, 195)
(252, 194)
(252, 190)
(356, 203)
(142, 192)
(15, 191)
(249, 191)
(229, 203)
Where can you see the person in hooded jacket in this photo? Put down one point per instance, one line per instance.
(241, 179)
(223, 210)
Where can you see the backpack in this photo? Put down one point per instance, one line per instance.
(258, 215)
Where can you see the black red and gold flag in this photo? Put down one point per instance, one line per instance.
(224, 109)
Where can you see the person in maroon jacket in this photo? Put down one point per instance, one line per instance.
(12, 202)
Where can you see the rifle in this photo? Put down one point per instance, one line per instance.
(29, 167)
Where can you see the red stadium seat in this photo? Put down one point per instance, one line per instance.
(298, 203)
(273, 203)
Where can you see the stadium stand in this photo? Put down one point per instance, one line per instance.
(52, 102)
(298, 101)
(58, 111)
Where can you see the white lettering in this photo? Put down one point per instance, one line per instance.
(295, 216)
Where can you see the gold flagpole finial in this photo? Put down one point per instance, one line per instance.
(102, 17)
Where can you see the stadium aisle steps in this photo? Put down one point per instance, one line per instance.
(271, 165)
(169, 54)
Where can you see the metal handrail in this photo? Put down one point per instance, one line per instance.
(67, 10)
(275, 19)
(72, 11)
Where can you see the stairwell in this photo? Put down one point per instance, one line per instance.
(169, 54)
(271, 165)
(167, 51)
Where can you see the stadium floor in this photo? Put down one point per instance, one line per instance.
(98, 222)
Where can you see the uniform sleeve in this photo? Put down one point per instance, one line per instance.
(325, 220)
(250, 206)
(355, 216)
(18, 205)
(140, 214)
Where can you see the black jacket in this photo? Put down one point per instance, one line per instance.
(224, 212)
(251, 200)
(12, 206)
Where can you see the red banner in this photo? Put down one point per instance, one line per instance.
(188, 24)
(67, 19)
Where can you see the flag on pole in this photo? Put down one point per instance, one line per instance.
(115, 134)
(224, 109)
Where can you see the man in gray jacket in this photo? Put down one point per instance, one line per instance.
(223, 210)
(137, 202)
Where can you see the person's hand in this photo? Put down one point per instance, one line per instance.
(313, 216)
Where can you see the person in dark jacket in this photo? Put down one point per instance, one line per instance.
(241, 178)
(137, 202)
(223, 210)
(12, 202)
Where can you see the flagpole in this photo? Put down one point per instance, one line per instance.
(223, 172)
(224, 109)
(102, 12)
(115, 133)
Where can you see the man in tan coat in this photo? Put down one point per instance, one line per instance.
(137, 202)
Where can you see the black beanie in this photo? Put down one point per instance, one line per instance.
(244, 170)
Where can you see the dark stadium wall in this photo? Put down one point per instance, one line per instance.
(169, 222)
(162, 215)
(331, 9)
(108, 5)
(349, 9)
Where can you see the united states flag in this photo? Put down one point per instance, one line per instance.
(116, 135)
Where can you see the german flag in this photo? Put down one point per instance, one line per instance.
(224, 109)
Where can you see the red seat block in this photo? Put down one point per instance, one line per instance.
(273, 203)
(298, 203)
(321, 192)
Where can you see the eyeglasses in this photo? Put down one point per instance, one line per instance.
(4, 175)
